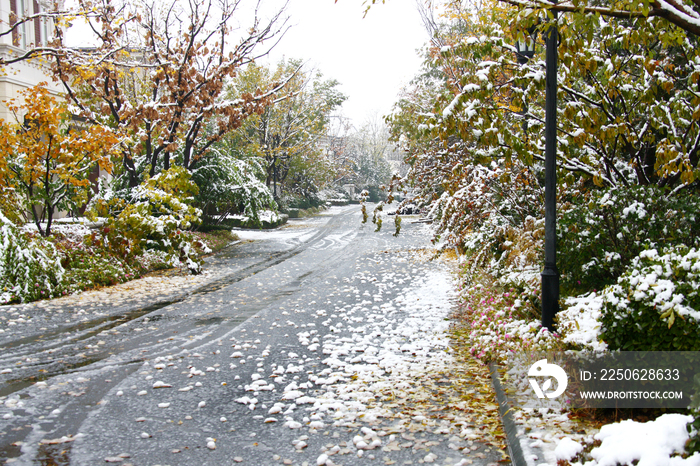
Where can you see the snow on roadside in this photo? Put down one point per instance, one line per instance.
(405, 336)
(654, 443)
(548, 436)
(651, 443)
(579, 324)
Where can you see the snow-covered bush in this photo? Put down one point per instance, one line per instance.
(655, 306)
(296, 201)
(156, 219)
(89, 264)
(519, 265)
(30, 268)
(579, 321)
(693, 427)
(601, 234)
(486, 201)
(693, 445)
(230, 185)
(375, 193)
(494, 219)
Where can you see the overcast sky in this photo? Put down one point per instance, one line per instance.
(372, 57)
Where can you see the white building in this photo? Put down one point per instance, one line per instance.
(35, 32)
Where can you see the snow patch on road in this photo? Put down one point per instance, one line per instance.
(381, 348)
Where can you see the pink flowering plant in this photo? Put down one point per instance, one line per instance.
(496, 321)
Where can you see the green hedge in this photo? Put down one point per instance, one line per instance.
(599, 237)
(30, 267)
(655, 306)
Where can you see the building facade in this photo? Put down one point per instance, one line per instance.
(20, 32)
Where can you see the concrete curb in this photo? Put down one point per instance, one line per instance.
(514, 448)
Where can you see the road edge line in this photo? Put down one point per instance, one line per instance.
(515, 450)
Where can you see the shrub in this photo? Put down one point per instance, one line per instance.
(499, 321)
(520, 264)
(30, 268)
(156, 219)
(229, 184)
(297, 201)
(655, 306)
(693, 445)
(375, 193)
(487, 211)
(88, 264)
(599, 237)
(693, 427)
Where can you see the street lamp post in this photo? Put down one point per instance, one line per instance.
(550, 274)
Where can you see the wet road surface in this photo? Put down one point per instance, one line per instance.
(309, 345)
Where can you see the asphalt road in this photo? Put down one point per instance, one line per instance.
(305, 348)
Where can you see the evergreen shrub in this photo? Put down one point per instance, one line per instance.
(156, 219)
(693, 444)
(30, 267)
(600, 235)
(655, 306)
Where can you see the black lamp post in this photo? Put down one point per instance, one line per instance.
(550, 274)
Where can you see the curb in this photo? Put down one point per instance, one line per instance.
(514, 448)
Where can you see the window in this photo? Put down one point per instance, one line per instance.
(23, 27)
(13, 20)
(34, 32)
(39, 38)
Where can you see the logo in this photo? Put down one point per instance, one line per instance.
(542, 369)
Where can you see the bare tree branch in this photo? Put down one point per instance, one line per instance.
(671, 10)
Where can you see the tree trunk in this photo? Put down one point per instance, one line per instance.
(49, 218)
